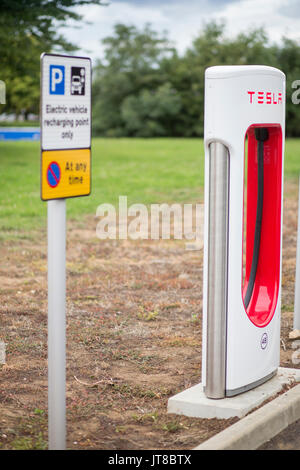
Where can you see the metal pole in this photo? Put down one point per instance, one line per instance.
(217, 271)
(57, 324)
(297, 279)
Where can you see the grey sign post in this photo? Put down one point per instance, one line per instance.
(65, 136)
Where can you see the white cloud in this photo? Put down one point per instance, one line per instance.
(184, 19)
(102, 20)
(266, 13)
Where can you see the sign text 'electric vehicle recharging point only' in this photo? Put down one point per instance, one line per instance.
(244, 148)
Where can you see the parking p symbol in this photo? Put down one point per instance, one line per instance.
(57, 80)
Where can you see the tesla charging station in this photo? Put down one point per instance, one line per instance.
(244, 148)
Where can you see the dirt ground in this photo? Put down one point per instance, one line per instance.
(134, 311)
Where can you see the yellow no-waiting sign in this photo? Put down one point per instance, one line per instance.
(65, 173)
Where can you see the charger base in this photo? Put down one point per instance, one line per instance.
(193, 402)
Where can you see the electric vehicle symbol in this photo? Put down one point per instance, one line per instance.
(76, 85)
(77, 81)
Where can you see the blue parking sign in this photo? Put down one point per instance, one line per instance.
(57, 80)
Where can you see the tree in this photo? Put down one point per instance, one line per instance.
(151, 113)
(28, 28)
(142, 79)
(131, 66)
(212, 47)
(40, 19)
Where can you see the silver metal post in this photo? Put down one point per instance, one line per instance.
(57, 324)
(297, 279)
(217, 271)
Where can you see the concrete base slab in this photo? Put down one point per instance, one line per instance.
(193, 403)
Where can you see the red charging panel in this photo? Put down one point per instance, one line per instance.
(263, 302)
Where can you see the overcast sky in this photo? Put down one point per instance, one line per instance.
(183, 19)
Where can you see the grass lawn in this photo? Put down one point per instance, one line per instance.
(145, 170)
(19, 123)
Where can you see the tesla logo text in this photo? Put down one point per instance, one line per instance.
(264, 97)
